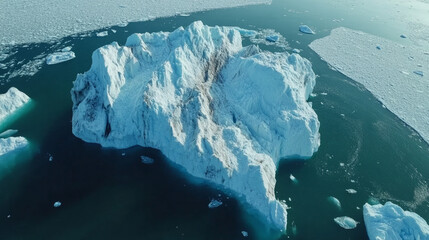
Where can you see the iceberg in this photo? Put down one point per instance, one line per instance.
(11, 101)
(306, 29)
(59, 57)
(214, 203)
(10, 144)
(223, 112)
(57, 204)
(335, 201)
(354, 54)
(391, 222)
(272, 38)
(346, 222)
(102, 34)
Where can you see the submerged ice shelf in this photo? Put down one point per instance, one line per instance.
(23, 21)
(386, 72)
(223, 112)
(391, 222)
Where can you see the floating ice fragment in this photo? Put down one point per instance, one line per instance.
(123, 154)
(420, 73)
(272, 38)
(102, 34)
(59, 57)
(405, 72)
(147, 160)
(296, 50)
(351, 191)
(57, 204)
(403, 36)
(244, 233)
(8, 133)
(346, 222)
(293, 178)
(335, 201)
(378, 47)
(324, 93)
(184, 14)
(341, 164)
(306, 29)
(214, 203)
(113, 30)
(50, 157)
(66, 49)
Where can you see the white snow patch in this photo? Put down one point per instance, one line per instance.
(389, 221)
(25, 21)
(224, 112)
(59, 57)
(353, 54)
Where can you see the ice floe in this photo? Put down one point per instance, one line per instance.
(354, 54)
(225, 113)
(22, 21)
(59, 57)
(346, 222)
(391, 222)
(102, 34)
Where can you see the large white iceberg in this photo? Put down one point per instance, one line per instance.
(10, 144)
(11, 101)
(225, 113)
(383, 72)
(391, 222)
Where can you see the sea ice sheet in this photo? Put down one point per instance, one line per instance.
(225, 113)
(354, 54)
(25, 21)
(391, 222)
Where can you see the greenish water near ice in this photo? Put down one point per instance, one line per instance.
(106, 195)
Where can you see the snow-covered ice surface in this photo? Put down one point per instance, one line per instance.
(59, 57)
(24, 21)
(11, 101)
(354, 54)
(346, 222)
(10, 144)
(225, 113)
(391, 222)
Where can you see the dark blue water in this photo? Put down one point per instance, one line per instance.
(108, 195)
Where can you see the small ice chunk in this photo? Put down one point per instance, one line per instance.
(50, 157)
(147, 160)
(420, 73)
(405, 72)
(296, 50)
(66, 49)
(184, 14)
(341, 164)
(403, 36)
(113, 30)
(293, 178)
(351, 191)
(8, 216)
(306, 29)
(8, 133)
(57, 204)
(335, 201)
(324, 94)
(215, 203)
(272, 38)
(346, 222)
(102, 34)
(378, 47)
(244, 233)
(59, 57)
(123, 154)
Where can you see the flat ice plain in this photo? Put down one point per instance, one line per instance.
(387, 73)
(25, 21)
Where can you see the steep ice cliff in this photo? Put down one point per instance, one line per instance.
(391, 222)
(224, 112)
